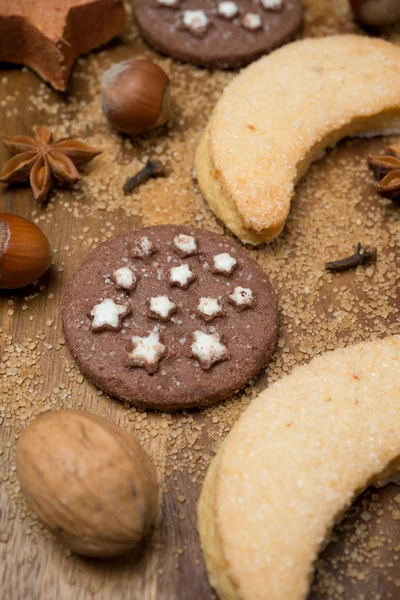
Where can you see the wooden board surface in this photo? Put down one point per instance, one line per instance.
(335, 207)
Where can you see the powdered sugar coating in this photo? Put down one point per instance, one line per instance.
(162, 308)
(181, 276)
(208, 349)
(125, 278)
(107, 315)
(147, 351)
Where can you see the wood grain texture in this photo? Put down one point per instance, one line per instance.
(170, 566)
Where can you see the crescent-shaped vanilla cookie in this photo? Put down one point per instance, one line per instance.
(280, 113)
(292, 465)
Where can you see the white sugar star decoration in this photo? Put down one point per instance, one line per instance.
(181, 276)
(224, 263)
(252, 21)
(209, 308)
(161, 307)
(169, 3)
(108, 315)
(195, 21)
(142, 248)
(242, 298)
(147, 351)
(185, 245)
(208, 349)
(125, 279)
(272, 4)
(228, 10)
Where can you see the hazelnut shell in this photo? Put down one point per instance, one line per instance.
(87, 480)
(135, 96)
(25, 252)
(376, 13)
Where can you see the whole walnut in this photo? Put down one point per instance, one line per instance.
(87, 480)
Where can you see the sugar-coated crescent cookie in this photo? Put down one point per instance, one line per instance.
(280, 113)
(292, 465)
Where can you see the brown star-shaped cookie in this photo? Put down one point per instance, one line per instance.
(48, 35)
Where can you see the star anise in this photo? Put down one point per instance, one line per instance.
(43, 161)
(386, 169)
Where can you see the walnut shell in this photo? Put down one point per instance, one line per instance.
(87, 480)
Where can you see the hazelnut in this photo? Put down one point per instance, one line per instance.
(24, 252)
(135, 96)
(87, 480)
(376, 13)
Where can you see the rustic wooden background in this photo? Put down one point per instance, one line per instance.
(170, 566)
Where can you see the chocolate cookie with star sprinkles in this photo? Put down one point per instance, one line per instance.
(211, 33)
(170, 317)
